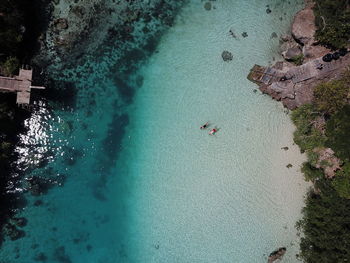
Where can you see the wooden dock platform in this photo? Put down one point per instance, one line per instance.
(21, 84)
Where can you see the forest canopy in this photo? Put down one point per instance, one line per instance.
(333, 22)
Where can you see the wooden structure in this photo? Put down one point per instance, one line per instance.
(21, 84)
(310, 70)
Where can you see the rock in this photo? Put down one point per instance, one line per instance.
(227, 56)
(38, 203)
(268, 11)
(277, 254)
(312, 52)
(39, 185)
(274, 35)
(19, 222)
(303, 27)
(289, 165)
(285, 148)
(79, 11)
(207, 6)
(12, 232)
(291, 53)
(286, 38)
(41, 257)
(61, 24)
(327, 161)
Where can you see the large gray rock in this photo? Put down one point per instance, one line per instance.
(303, 27)
(227, 56)
(291, 53)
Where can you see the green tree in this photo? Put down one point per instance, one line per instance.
(306, 135)
(326, 225)
(341, 182)
(329, 97)
(338, 133)
(332, 19)
(10, 66)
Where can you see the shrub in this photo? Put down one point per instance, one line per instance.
(341, 182)
(338, 133)
(329, 97)
(306, 136)
(10, 66)
(310, 172)
(298, 60)
(326, 226)
(332, 19)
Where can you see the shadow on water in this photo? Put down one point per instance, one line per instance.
(127, 81)
(112, 146)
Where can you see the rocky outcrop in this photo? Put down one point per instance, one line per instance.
(126, 24)
(327, 161)
(291, 53)
(294, 84)
(303, 27)
(277, 254)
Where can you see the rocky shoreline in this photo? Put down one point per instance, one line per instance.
(127, 24)
(306, 65)
(292, 81)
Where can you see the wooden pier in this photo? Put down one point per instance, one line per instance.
(21, 84)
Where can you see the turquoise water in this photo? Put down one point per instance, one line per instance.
(143, 182)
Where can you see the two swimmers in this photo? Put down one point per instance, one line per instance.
(204, 126)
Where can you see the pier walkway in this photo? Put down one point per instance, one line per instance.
(21, 84)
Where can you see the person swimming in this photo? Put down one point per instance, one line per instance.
(213, 131)
(204, 126)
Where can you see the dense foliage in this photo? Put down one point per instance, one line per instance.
(331, 96)
(11, 35)
(333, 22)
(338, 133)
(326, 226)
(326, 217)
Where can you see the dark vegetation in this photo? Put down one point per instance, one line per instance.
(333, 22)
(21, 22)
(326, 218)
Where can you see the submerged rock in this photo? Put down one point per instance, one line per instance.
(207, 6)
(19, 221)
(244, 34)
(12, 232)
(61, 23)
(227, 56)
(41, 257)
(277, 254)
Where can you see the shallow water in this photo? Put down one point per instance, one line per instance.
(143, 182)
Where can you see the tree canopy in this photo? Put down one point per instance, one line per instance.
(333, 22)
